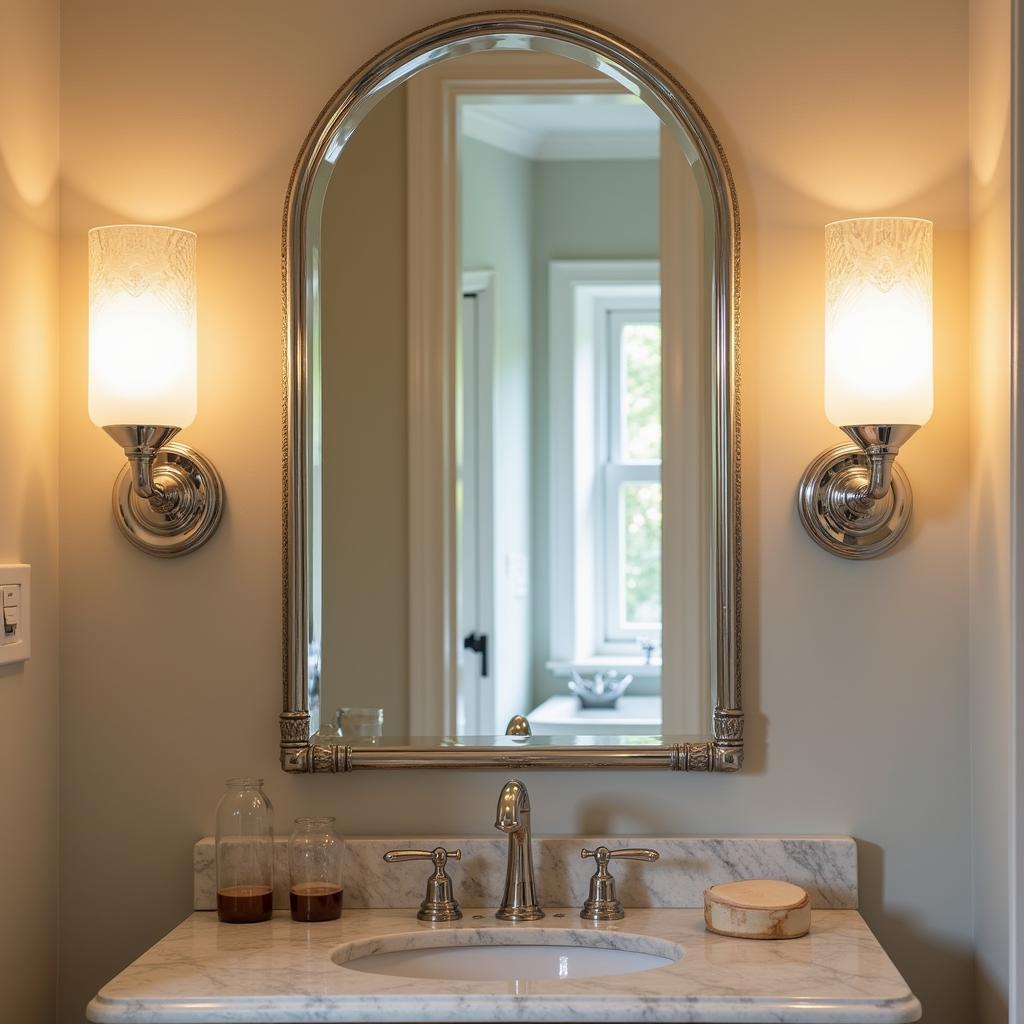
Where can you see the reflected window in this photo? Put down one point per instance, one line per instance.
(630, 547)
(606, 448)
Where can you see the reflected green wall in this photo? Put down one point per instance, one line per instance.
(517, 216)
(584, 210)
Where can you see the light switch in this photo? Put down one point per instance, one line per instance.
(12, 616)
(14, 613)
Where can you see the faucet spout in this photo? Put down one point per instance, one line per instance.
(513, 808)
(519, 902)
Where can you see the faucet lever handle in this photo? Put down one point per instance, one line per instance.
(602, 903)
(440, 903)
(602, 853)
(439, 855)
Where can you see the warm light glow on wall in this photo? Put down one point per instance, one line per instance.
(878, 321)
(142, 325)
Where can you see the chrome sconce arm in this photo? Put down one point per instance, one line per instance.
(168, 498)
(141, 445)
(881, 445)
(854, 500)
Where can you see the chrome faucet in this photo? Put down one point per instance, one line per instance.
(513, 818)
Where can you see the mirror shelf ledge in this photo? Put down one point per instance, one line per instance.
(687, 756)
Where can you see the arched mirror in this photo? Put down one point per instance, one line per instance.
(511, 476)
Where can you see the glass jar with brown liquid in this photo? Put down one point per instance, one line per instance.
(245, 853)
(314, 864)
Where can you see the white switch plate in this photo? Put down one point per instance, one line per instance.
(20, 577)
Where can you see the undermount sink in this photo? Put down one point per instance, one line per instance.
(498, 954)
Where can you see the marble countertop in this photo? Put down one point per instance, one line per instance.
(282, 971)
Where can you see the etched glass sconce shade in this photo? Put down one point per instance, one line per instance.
(143, 382)
(854, 500)
(142, 325)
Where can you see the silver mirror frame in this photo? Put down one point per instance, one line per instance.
(722, 750)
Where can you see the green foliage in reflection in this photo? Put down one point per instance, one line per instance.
(641, 520)
(641, 400)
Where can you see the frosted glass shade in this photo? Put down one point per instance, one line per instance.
(878, 321)
(142, 325)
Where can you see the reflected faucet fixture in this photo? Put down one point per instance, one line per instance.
(519, 727)
(649, 648)
(519, 903)
(168, 497)
(603, 691)
(854, 500)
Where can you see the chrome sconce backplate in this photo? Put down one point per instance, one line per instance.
(168, 498)
(854, 500)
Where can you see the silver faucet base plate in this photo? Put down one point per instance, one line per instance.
(525, 914)
(603, 911)
(436, 913)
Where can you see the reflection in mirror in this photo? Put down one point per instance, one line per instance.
(545, 551)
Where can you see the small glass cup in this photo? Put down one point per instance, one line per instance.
(314, 863)
(329, 732)
(361, 722)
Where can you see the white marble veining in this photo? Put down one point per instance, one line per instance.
(281, 971)
(826, 866)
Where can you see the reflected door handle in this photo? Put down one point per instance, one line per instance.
(478, 643)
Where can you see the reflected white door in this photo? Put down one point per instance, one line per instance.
(475, 522)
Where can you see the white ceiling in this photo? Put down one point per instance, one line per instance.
(564, 127)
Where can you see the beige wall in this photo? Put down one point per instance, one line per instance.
(29, 735)
(855, 674)
(990, 423)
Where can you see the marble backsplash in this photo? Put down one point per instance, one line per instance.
(826, 866)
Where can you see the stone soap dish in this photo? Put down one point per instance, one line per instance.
(757, 909)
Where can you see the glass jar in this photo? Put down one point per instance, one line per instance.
(314, 864)
(329, 732)
(361, 723)
(245, 853)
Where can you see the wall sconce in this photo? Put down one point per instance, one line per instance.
(168, 499)
(853, 499)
